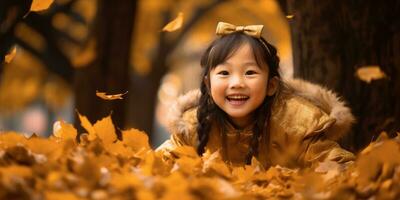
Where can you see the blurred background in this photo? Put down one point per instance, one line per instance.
(65, 53)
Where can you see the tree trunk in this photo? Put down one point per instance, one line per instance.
(332, 39)
(110, 70)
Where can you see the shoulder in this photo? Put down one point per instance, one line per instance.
(310, 109)
(182, 117)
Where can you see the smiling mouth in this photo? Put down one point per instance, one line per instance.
(237, 99)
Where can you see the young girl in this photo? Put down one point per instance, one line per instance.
(245, 109)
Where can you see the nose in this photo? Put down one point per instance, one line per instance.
(237, 82)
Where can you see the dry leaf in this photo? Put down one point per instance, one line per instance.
(10, 56)
(9, 139)
(370, 73)
(174, 24)
(136, 139)
(213, 164)
(85, 123)
(107, 168)
(289, 16)
(39, 5)
(105, 96)
(187, 151)
(105, 130)
(64, 130)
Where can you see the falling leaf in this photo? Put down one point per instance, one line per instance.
(369, 73)
(174, 24)
(39, 5)
(9, 57)
(105, 96)
(105, 130)
(289, 16)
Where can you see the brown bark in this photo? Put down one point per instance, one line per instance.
(110, 70)
(332, 39)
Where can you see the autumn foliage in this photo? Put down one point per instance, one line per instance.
(100, 166)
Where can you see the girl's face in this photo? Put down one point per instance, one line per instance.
(238, 85)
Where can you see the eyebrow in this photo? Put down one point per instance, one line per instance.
(244, 64)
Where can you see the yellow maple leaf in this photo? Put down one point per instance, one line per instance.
(181, 151)
(9, 139)
(42, 145)
(39, 5)
(64, 130)
(213, 164)
(174, 24)
(187, 165)
(85, 123)
(369, 73)
(105, 96)
(105, 130)
(10, 56)
(135, 139)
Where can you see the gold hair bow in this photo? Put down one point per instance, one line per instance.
(224, 28)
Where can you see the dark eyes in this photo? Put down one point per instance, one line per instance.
(223, 73)
(251, 72)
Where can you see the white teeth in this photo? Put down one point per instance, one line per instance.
(238, 97)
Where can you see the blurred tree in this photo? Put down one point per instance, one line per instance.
(11, 12)
(332, 39)
(109, 71)
(144, 87)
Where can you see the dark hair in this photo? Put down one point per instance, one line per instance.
(220, 50)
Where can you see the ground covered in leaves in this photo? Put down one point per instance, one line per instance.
(102, 167)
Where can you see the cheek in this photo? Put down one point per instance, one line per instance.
(260, 88)
(217, 88)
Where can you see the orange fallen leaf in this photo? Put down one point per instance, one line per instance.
(213, 164)
(9, 139)
(39, 5)
(85, 123)
(105, 130)
(369, 73)
(135, 139)
(174, 24)
(105, 96)
(64, 130)
(9, 57)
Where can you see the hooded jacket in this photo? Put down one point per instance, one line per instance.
(306, 122)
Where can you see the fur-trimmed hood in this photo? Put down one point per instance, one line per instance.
(325, 99)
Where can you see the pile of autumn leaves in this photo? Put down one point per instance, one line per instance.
(100, 166)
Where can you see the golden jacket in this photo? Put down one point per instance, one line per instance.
(306, 121)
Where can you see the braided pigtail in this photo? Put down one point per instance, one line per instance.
(263, 113)
(204, 116)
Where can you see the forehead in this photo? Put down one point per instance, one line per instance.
(244, 53)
